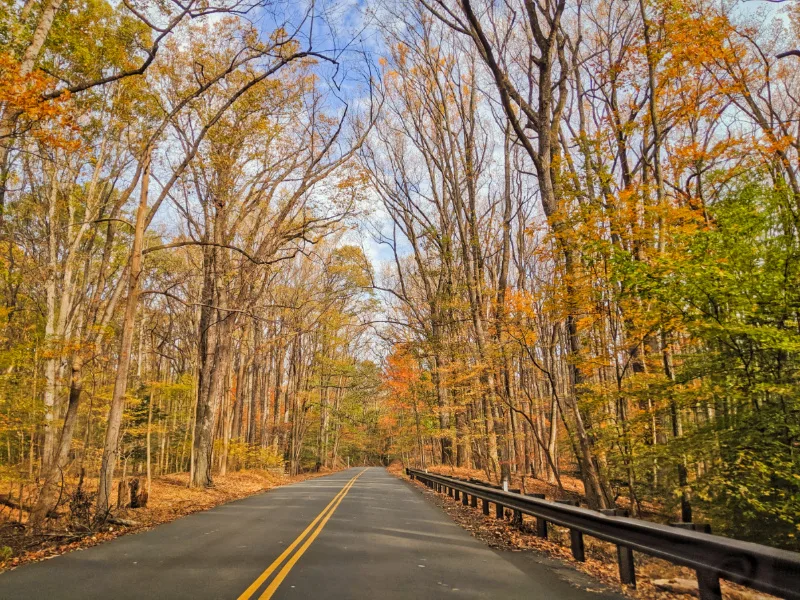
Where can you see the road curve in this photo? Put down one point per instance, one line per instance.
(359, 533)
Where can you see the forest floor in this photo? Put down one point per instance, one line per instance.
(170, 498)
(601, 560)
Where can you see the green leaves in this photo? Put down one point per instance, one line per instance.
(732, 292)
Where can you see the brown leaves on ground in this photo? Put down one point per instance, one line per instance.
(396, 468)
(600, 562)
(170, 498)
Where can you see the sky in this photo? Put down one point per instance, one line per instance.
(346, 31)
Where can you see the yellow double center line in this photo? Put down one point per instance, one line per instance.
(314, 528)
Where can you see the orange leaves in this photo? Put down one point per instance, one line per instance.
(402, 372)
(779, 145)
(521, 307)
(401, 55)
(521, 303)
(696, 34)
(354, 181)
(23, 97)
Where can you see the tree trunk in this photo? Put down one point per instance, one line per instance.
(202, 437)
(110, 449)
(53, 347)
(48, 497)
(149, 431)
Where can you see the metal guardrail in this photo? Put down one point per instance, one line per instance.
(713, 557)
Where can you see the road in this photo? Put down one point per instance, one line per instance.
(360, 533)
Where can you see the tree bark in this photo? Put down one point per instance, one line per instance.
(48, 496)
(111, 446)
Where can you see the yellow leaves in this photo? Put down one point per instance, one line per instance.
(283, 43)
(353, 182)
(349, 182)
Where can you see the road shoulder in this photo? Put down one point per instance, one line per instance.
(527, 551)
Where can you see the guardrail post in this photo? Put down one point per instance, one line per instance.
(517, 518)
(464, 499)
(457, 495)
(541, 527)
(473, 497)
(627, 569)
(541, 524)
(707, 581)
(576, 544)
(498, 511)
(485, 507)
(575, 536)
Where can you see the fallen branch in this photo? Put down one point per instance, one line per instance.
(7, 500)
(66, 536)
(125, 522)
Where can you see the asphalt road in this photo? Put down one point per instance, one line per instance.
(330, 537)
